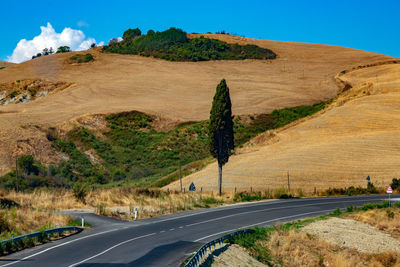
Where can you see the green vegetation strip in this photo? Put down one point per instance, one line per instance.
(174, 45)
(133, 153)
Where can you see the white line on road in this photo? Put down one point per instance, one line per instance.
(268, 209)
(105, 251)
(264, 222)
(60, 245)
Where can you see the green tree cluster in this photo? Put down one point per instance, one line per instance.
(174, 45)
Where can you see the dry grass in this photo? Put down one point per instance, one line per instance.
(18, 221)
(118, 202)
(387, 220)
(339, 147)
(295, 248)
(178, 90)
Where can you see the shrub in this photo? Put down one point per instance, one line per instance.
(390, 214)
(26, 163)
(13, 94)
(337, 212)
(395, 183)
(80, 192)
(63, 49)
(81, 58)
(371, 188)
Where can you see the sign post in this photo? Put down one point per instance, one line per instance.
(192, 188)
(389, 191)
(368, 179)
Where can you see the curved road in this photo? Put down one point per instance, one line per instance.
(168, 240)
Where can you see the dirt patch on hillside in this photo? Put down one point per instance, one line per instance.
(347, 233)
(21, 91)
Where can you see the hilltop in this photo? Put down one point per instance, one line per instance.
(4, 64)
(302, 74)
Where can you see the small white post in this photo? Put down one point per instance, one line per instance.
(83, 222)
(135, 213)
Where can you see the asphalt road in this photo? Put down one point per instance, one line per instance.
(168, 240)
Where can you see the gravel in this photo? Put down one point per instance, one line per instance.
(348, 233)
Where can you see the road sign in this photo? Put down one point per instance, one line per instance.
(368, 179)
(192, 187)
(389, 190)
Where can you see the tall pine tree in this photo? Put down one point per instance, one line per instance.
(220, 129)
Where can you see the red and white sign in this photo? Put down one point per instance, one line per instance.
(389, 190)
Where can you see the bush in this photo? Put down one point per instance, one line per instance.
(13, 94)
(63, 49)
(80, 192)
(390, 214)
(395, 183)
(26, 163)
(336, 212)
(81, 58)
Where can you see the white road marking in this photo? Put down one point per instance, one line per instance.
(162, 231)
(105, 251)
(59, 245)
(268, 209)
(180, 227)
(264, 222)
(172, 229)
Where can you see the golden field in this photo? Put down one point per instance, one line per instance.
(302, 74)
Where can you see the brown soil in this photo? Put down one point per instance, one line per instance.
(302, 74)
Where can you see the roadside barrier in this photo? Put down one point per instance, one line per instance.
(41, 234)
(208, 248)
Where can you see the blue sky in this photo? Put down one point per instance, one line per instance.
(367, 25)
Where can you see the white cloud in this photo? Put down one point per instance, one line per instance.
(75, 39)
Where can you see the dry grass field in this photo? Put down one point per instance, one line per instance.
(5, 64)
(357, 136)
(302, 74)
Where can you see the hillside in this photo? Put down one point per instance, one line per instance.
(4, 64)
(356, 137)
(181, 91)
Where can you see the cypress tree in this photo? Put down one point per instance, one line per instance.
(220, 129)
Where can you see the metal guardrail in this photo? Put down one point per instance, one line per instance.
(206, 249)
(41, 234)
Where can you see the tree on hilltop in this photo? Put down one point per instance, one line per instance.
(220, 129)
(131, 33)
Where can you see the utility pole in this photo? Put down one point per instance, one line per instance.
(180, 174)
(16, 173)
(288, 182)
